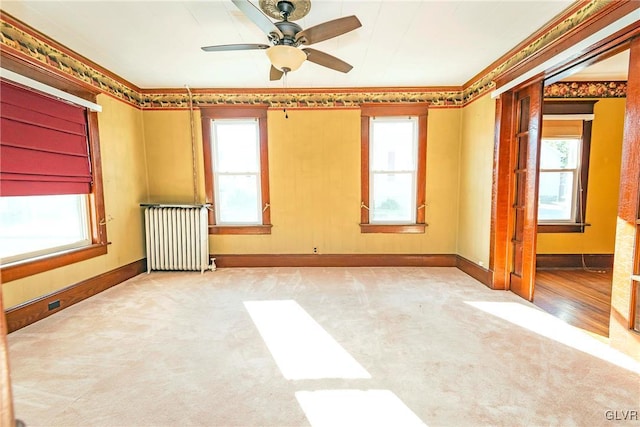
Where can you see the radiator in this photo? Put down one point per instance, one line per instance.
(177, 237)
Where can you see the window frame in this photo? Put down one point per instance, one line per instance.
(241, 112)
(368, 111)
(575, 187)
(217, 174)
(97, 223)
(573, 108)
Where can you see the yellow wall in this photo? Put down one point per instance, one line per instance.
(314, 165)
(170, 157)
(125, 186)
(314, 160)
(476, 166)
(602, 191)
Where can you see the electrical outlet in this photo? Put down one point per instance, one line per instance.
(54, 304)
(315, 250)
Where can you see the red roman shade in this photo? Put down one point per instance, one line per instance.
(43, 145)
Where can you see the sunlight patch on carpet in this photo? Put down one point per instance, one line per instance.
(301, 347)
(353, 408)
(548, 326)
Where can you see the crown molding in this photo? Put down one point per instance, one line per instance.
(21, 41)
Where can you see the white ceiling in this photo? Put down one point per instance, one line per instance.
(613, 68)
(156, 44)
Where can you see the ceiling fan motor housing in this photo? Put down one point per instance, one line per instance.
(289, 30)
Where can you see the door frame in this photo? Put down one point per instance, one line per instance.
(626, 267)
(627, 250)
(500, 257)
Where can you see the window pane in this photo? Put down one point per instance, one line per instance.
(393, 146)
(556, 196)
(236, 146)
(31, 225)
(238, 199)
(559, 153)
(392, 198)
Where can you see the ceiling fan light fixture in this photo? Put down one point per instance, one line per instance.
(286, 57)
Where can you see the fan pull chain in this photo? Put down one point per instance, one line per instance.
(284, 84)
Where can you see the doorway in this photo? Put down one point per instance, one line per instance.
(626, 266)
(578, 185)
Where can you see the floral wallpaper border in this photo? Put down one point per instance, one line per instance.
(37, 49)
(300, 99)
(613, 89)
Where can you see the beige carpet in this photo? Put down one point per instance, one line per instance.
(315, 346)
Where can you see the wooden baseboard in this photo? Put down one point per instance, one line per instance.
(574, 260)
(479, 273)
(32, 311)
(336, 260)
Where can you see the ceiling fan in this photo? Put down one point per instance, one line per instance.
(286, 36)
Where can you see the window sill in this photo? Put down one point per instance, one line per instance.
(562, 228)
(393, 228)
(240, 229)
(28, 267)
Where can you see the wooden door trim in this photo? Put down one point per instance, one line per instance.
(627, 259)
(608, 14)
(605, 49)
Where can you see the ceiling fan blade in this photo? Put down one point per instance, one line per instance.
(328, 30)
(275, 74)
(327, 60)
(227, 47)
(260, 19)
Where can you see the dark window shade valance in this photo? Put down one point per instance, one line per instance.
(43, 145)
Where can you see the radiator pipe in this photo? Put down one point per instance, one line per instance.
(194, 165)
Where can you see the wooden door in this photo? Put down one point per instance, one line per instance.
(525, 142)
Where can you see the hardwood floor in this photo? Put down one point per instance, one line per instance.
(579, 297)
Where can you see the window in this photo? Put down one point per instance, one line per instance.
(559, 181)
(27, 230)
(564, 166)
(393, 150)
(51, 202)
(393, 168)
(236, 165)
